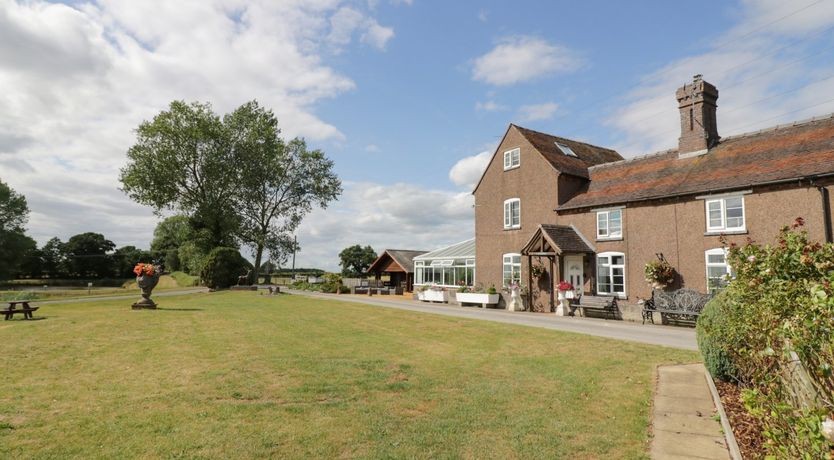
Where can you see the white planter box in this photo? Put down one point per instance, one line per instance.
(431, 295)
(477, 297)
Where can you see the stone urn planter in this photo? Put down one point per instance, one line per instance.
(433, 295)
(147, 277)
(516, 300)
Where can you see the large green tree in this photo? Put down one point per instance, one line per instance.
(182, 160)
(278, 183)
(126, 257)
(54, 258)
(355, 260)
(14, 244)
(88, 255)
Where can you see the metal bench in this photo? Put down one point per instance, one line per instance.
(605, 305)
(681, 305)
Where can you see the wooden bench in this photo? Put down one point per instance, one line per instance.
(604, 305)
(681, 305)
(12, 309)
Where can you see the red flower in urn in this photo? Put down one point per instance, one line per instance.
(147, 277)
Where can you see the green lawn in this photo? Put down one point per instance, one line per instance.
(239, 375)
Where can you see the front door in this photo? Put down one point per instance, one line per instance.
(575, 271)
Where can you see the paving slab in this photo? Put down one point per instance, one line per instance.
(683, 416)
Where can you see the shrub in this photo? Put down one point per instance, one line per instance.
(779, 305)
(222, 267)
(712, 330)
(185, 280)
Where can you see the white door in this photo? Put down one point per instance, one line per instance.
(575, 271)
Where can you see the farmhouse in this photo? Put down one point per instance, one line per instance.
(579, 212)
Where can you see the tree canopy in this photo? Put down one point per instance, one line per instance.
(14, 244)
(87, 255)
(355, 260)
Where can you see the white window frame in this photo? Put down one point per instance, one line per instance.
(707, 264)
(722, 206)
(608, 234)
(512, 159)
(513, 266)
(611, 268)
(508, 214)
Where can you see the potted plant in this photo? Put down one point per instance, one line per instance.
(537, 270)
(490, 297)
(147, 277)
(659, 273)
(565, 289)
(433, 293)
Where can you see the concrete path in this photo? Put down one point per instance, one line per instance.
(676, 337)
(682, 416)
(118, 297)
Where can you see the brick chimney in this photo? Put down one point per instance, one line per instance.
(699, 128)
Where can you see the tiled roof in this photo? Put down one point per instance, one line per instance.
(784, 153)
(586, 154)
(403, 257)
(565, 238)
(462, 250)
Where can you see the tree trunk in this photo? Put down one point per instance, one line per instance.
(258, 254)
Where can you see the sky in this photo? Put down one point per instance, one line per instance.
(408, 97)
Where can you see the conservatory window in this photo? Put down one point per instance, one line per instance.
(611, 273)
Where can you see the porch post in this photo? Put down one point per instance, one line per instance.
(552, 282)
(529, 282)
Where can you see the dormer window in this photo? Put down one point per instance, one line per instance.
(512, 159)
(565, 149)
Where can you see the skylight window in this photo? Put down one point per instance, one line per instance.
(565, 149)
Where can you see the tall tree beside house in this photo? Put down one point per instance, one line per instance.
(278, 183)
(355, 260)
(14, 244)
(182, 160)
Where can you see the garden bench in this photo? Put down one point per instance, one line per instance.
(12, 309)
(680, 305)
(605, 305)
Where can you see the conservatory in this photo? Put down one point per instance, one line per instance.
(451, 266)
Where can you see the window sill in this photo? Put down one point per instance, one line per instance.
(619, 238)
(512, 167)
(509, 229)
(725, 232)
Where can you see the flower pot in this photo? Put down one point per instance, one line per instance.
(433, 295)
(146, 284)
(477, 297)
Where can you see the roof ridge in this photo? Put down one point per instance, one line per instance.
(639, 157)
(565, 138)
(794, 124)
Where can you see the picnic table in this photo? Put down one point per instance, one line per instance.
(13, 309)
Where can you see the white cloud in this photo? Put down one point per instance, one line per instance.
(372, 148)
(77, 80)
(346, 21)
(489, 106)
(763, 80)
(467, 171)
(396, 216)
(523, 58)
(535, 112)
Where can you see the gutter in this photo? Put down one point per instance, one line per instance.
(708, 191)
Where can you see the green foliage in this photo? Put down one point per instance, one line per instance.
(222, 268)
(171, 233)
(712, 327)
(87, 255)
(185, 280)
(333, 284)
(492, 290)
(659, 272)
(172, 260)
(781, 302)
(17, 296)
(125, 258)
(355, 260)
(191, 257)
(14, 244)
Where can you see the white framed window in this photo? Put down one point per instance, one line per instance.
(512, 268)
(718, 270)
(610, 224)
(512, 159)
(419, 267)
(445, 272)
(725, 213)
(512, 213)
(565, 149)
(611, 278)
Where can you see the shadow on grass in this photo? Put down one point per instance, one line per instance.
(179, 309)
(37, 318)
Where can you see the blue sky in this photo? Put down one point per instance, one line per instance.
(409, 97)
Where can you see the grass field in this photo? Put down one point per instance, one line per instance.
(172, 282)
(239, 375)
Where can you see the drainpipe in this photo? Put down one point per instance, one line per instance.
(826, 213)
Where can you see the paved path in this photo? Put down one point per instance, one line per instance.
(682, 416)
(676, 337)
(119, 297)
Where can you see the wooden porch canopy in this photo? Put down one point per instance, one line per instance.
(399, 263)
(551, 241)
